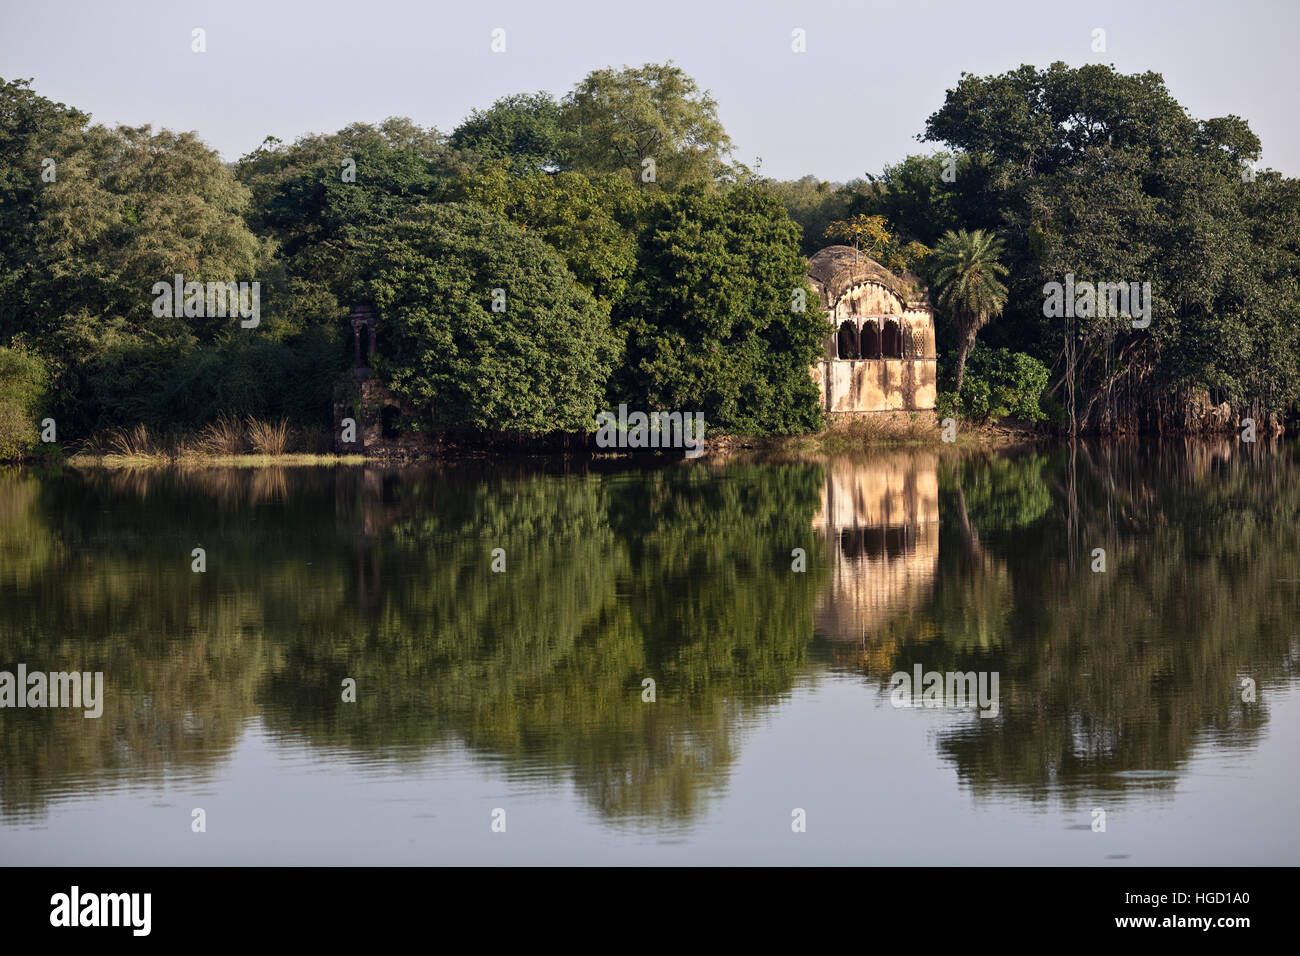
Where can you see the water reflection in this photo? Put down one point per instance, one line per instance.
(676, 575)
(880, 518)
(1110, 678)
(681, 575)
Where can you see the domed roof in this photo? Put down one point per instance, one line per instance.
(836, 269)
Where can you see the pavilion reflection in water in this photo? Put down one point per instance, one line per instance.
(881, 522)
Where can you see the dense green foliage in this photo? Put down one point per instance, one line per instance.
(590, 221)
(523, 131)
(711, 321)
(22, 395)
(1104, 176)
(652, 125)
(92, 219)
(999, 383)
(313, 197)
(685, 280)
(182, 385)
(32, 128)
(582, 211)
(486, 326)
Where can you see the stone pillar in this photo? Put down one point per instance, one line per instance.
(357, 325)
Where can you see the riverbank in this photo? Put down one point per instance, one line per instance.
(843, 436)
(211, 461)
(897, 432)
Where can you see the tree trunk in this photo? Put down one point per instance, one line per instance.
(969, 536)
(969, 329)
(962, 351)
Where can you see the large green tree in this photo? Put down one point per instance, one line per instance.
(1104, 177)
(93, 218)
(719, 317)
(311, 198)
(591, 221)
(654, 117)
(483, 324)
(132, 207)
(522, 131)
(34, 131)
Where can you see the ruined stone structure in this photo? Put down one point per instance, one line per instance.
(880, 356)
(382, 422)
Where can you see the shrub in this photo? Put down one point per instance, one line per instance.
(975, 398)
(1000, 383)
(18, 433)
(947, 405)
(539, 366)
(23, 381)
(225, 436)
(268, 438)
(135, 442)
(180, 385)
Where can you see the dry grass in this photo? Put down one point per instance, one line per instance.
(227, 442)
(266, 461)
(136, 444)
(196, 460)
(268, 438)
(897, 429)
(225, 436)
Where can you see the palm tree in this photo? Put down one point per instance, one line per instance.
(966, 270)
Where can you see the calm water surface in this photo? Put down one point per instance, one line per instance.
(523, 690)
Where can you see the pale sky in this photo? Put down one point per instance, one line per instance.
(873, 70)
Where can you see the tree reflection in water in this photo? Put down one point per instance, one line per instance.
(682, 574)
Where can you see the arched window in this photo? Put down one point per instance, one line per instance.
(891, 341)
(871, 339)
(848, 341)
(389, 420)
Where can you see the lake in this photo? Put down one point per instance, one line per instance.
(1061, 655)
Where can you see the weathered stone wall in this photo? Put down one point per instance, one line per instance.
(367, 402)
(876, 385)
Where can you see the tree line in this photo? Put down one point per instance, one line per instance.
(553, 256)
(1105, 177)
